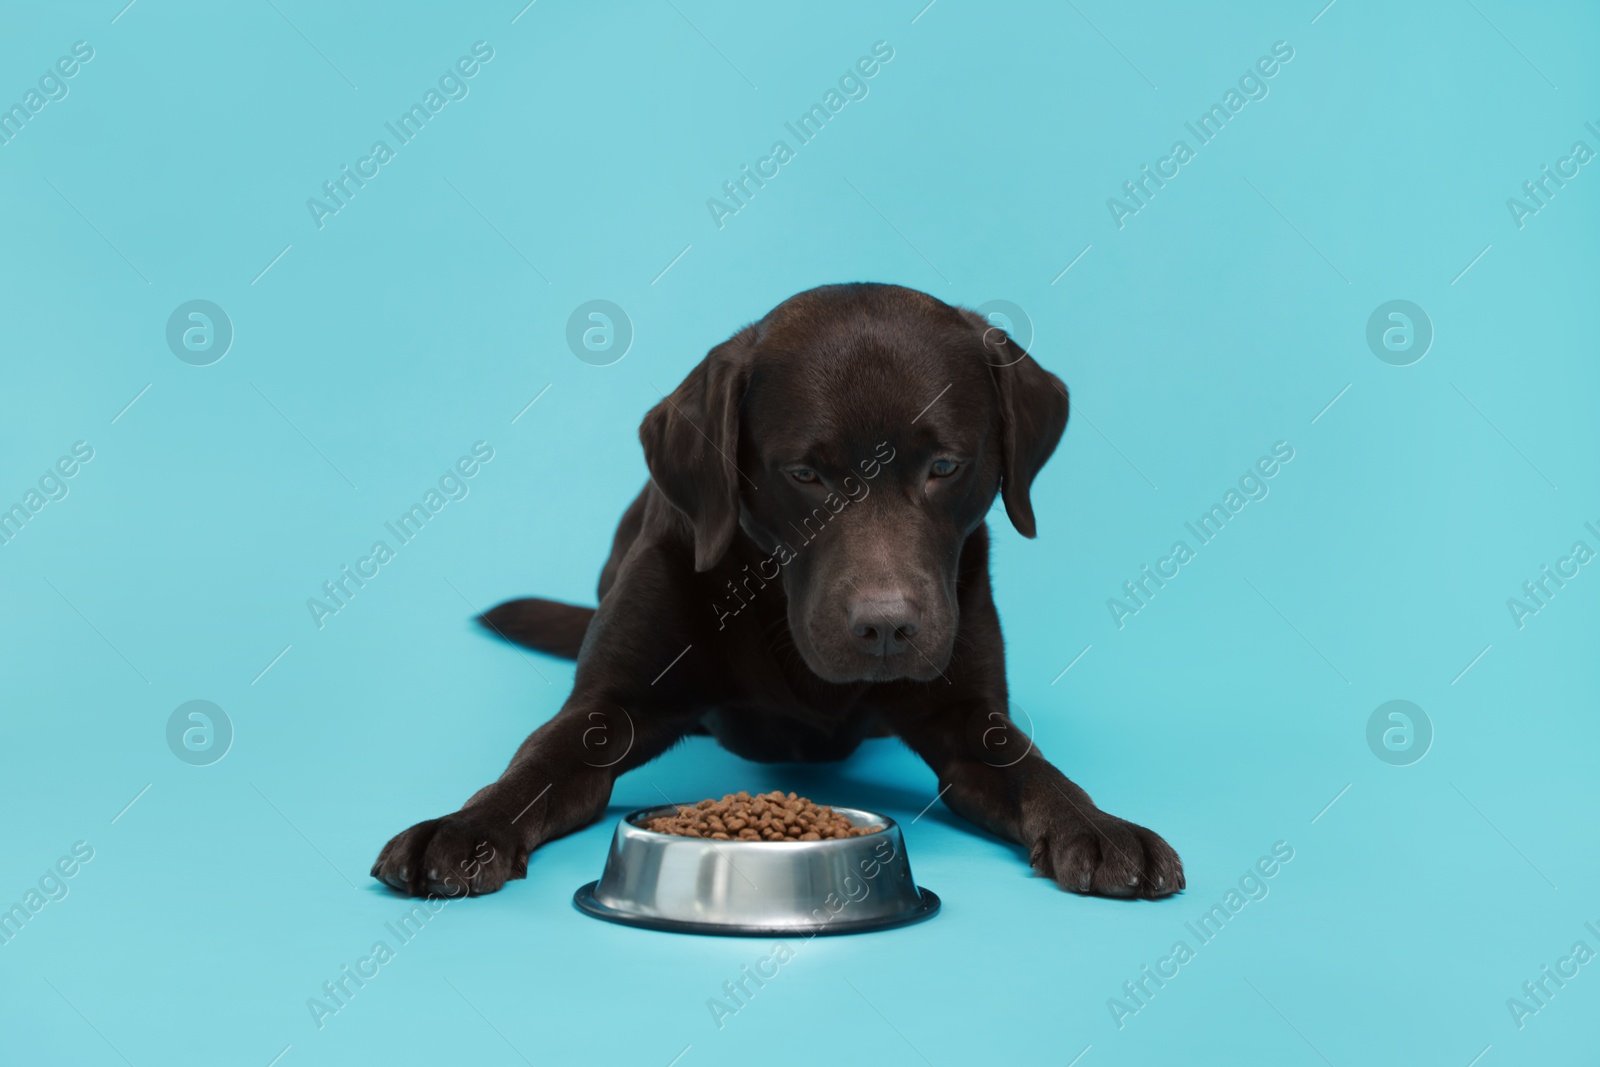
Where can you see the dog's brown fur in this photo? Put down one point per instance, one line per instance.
(804, 536)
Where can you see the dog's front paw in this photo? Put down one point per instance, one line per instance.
(1106, 856)
(460, 854)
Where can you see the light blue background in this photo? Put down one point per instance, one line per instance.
(375, 351)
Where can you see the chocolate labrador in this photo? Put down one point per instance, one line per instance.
(808, 566)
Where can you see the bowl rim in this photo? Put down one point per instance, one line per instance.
(628, 823)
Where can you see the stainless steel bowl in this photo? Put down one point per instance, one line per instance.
(697, 885)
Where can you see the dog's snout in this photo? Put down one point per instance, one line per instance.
(884, 625)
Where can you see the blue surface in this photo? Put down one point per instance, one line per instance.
(1227, 314)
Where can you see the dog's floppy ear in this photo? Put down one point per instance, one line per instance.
(1033, 415)
(691, 443)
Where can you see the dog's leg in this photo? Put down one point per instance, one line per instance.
(636, 692)
(558, 781)
(990, 773)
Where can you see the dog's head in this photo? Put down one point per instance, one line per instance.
(858, 435)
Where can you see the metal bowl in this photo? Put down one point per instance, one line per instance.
(697, 885)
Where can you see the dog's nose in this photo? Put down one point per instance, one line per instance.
(884, 626)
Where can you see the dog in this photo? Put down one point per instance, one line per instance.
(807, 567)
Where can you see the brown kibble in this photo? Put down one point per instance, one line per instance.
(743, 816)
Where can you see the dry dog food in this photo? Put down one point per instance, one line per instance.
(763, 817)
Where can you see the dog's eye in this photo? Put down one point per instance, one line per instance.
(805, 475)
(944, 468)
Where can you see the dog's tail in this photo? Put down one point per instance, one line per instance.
(545, 625)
